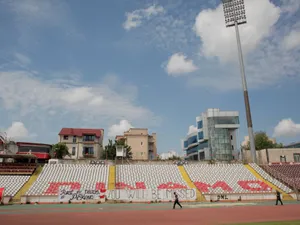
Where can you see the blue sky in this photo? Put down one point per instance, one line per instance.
(157, 64)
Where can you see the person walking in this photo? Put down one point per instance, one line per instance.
(278, 198)
(176, 201)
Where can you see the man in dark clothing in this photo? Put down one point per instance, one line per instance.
(278, 197)
(176, 201)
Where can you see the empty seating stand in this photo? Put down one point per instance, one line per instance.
(149, 177)
(74, 177)
(271, 179)
(225, 178)
(287, 173)
(12, 183)
(17, 168)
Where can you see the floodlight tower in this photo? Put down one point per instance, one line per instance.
(235, 15)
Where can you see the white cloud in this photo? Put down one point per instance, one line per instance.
(135, 18)
(118, 129)
(219, 41)
(69, 102)
(36, 11)
(192, 129)
(292, 40)
(23, 59)
(17, 130)
(290, 6)
(179, 64)
(269, 42)
(30, 15)
(287, 128)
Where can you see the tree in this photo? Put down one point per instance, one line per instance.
(158, 157)
(111, 148)
(174, 157)
(278, 145)
(60, 150)
(262, 141)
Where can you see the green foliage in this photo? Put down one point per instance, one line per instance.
(174, 158)
(111, 148)
(278, 145)
(59, 151)
(262, 141)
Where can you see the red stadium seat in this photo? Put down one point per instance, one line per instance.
(54, 187)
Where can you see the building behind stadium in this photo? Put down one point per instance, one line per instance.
(215, 137)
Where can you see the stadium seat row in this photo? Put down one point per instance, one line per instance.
(210, 179)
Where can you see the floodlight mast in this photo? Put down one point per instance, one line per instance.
(235, 15)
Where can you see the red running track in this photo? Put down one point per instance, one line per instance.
(203, 216)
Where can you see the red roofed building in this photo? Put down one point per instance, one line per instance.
(83, 143)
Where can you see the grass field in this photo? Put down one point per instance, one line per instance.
(272, 223)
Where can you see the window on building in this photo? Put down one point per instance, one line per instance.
(88, 151)
(200, 124)
(141, 143)
(231, 137)
(74, 139)
(66, 137)
(296, 157)
(202, 155)
(200, 135)
(232, 147)
(185, 144)
(88, 138)
(282, 158)
(73, 151)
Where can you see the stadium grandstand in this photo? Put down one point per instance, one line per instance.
(289, 174)
(26, 181)
(15, 172)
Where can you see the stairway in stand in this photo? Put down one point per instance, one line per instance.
(186, 177)
(112, 178)
(27, 185)
(285, 196)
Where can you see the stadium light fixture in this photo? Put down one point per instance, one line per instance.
(235, 15)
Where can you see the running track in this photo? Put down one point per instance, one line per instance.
(152, 216)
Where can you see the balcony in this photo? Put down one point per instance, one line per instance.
(88, 139)
(228, 126)
(151, 139)
(89, 156)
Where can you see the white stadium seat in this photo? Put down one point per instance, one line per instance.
(78, 176)
(224, 178)
(12, 184)
(149, 176)
(272, 180)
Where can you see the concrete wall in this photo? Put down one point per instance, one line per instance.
(273, 154)
(139, 146)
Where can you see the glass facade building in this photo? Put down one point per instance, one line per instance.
(216, 136)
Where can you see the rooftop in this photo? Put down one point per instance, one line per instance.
(79, 132)
(32, 144)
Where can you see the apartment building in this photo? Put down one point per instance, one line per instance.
(83, 143)
(143, 145)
